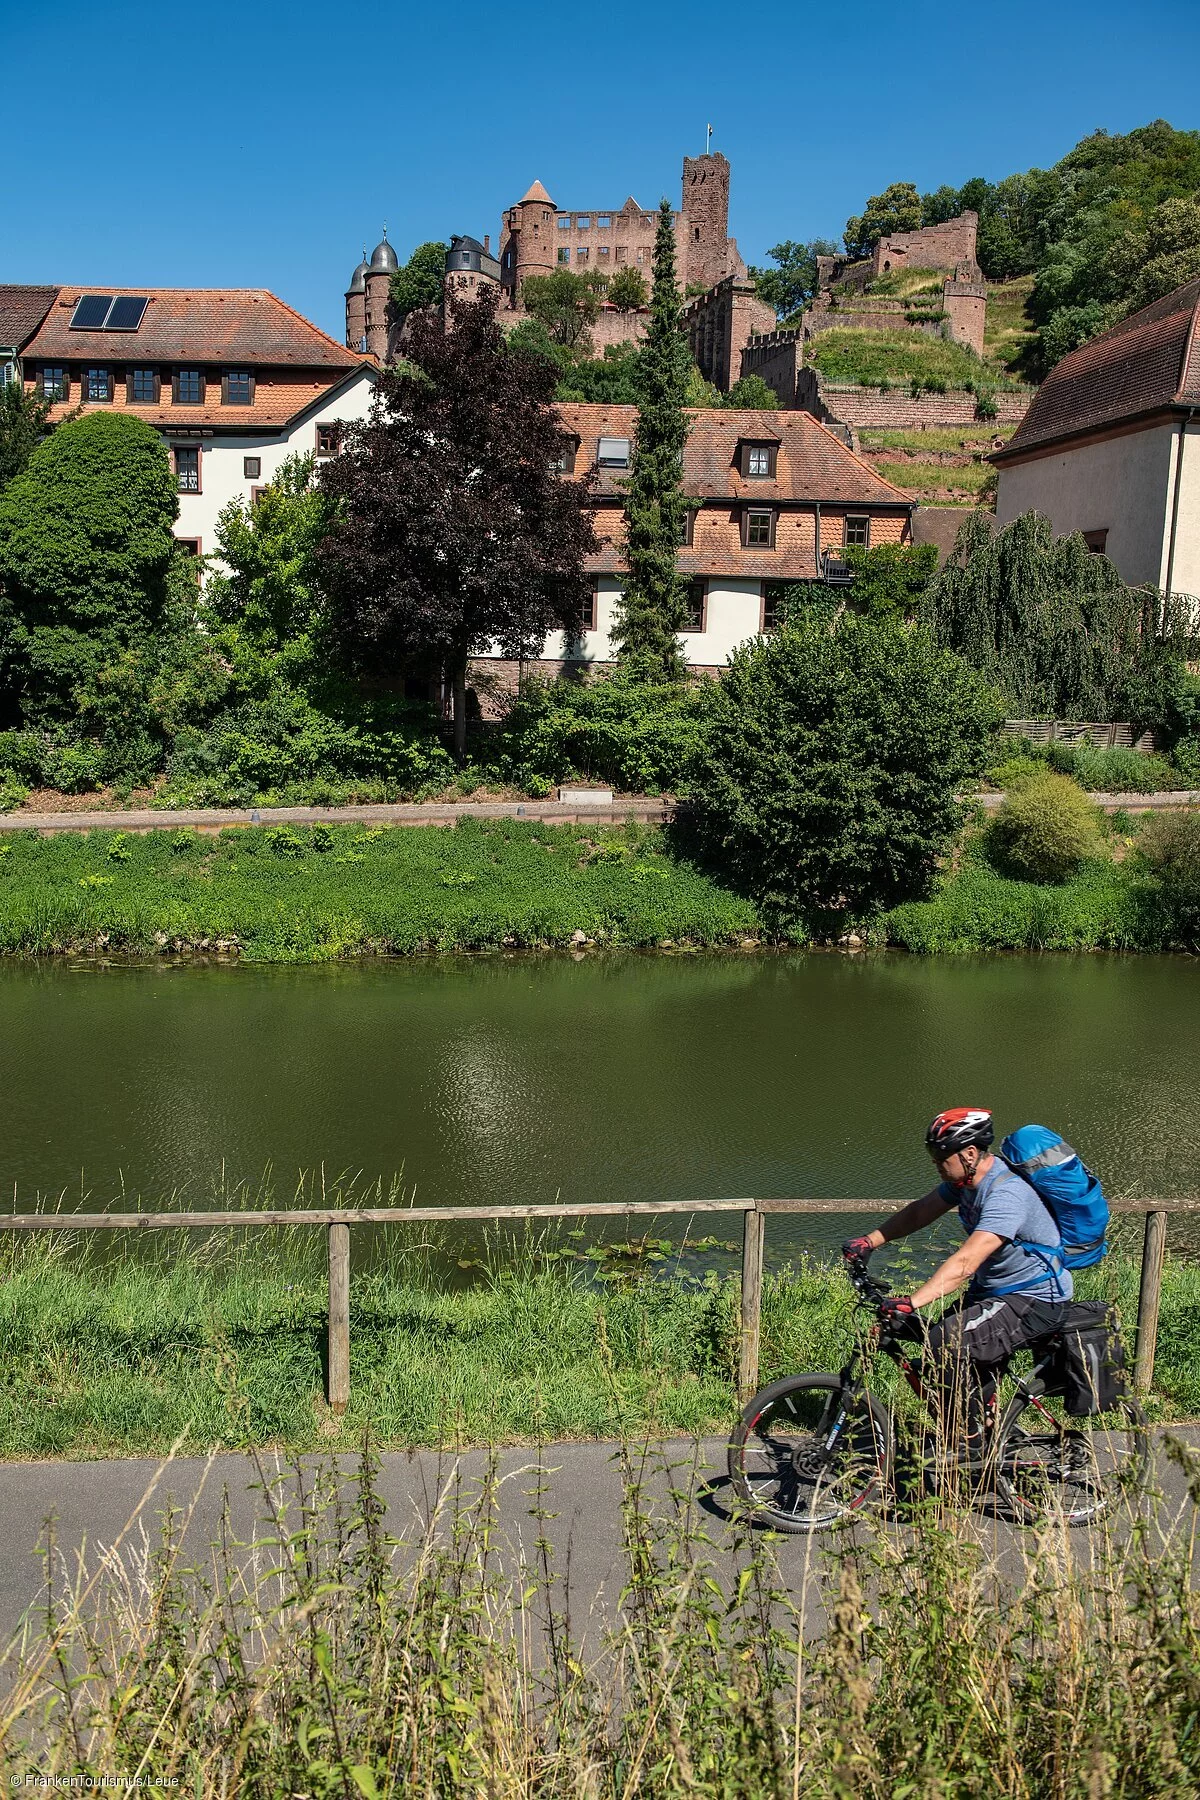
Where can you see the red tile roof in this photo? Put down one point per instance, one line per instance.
(1147, 364)
(243, 327)
(811, 465)
(22, 310)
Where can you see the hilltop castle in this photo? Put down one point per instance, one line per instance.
(537, 237)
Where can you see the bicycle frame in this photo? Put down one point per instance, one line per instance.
(871, 1292)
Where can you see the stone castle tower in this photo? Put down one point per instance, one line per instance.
(704, 223)
(368, 301)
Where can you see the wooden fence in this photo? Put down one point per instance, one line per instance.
(337, 1222)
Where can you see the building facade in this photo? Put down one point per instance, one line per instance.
(22, 310)
(1110, 446)
(775, 498)
(537, 236)
(233, 378)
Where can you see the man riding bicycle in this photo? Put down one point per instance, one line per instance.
(1012, 1259)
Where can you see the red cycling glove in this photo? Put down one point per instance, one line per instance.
(855, 1247)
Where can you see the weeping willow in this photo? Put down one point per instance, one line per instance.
(1053, 626)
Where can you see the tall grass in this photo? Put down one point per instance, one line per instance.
(324, 891)
(330, 1659)
(220, 1341)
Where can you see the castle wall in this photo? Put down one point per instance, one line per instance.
(933, 247)
(719, 326)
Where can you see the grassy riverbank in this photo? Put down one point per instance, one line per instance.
(313, 893)
(316, 892)
(224, 1344)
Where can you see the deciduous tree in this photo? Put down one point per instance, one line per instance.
(565, 303)
(85, 545)
(23, 424)
(792, 283)
(827, 780)
(419, 281)
(898, 208)
(456, 528)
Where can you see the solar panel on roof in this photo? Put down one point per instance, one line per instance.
(126, 314)
(91, 312)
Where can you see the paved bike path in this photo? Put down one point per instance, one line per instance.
(93, 1503)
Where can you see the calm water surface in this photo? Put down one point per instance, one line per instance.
(617, 1078)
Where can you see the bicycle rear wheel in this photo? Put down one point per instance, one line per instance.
(810, 1453)
(1051, 1465)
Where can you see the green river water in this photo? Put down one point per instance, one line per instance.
(623, 1077)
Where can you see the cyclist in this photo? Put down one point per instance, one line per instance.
(1011, 1258)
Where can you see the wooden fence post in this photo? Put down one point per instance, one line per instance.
(753, 1226)
(339, 1317)
(1149, 1294)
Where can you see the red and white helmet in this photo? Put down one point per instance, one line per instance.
(956, 1129)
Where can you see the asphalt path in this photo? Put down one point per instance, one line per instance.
(570, 1493)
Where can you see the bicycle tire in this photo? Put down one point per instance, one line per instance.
(803, 1481)
(1079, 1473)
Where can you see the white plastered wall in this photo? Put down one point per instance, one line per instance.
(733, 614)
(1185, 566)
(222, 476)
(1121, 485)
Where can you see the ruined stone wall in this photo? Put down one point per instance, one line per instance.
(933, 247)
(719, 326)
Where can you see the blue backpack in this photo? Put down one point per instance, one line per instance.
(1067, 1188)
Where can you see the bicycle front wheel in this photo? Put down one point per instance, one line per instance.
(1050, 1465)
(809, 1453)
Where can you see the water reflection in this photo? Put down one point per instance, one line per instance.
(614, 1078)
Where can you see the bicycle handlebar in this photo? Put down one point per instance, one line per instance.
(869, 1290)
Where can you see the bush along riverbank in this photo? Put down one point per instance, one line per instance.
(125, 1350)
(1046, 872)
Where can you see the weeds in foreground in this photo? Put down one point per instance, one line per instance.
(324, 1656)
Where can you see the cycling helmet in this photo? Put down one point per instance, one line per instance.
(956, 1129)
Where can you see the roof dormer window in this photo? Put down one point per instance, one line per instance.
(757, 461)
(613, 453)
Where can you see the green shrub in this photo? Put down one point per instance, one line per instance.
(638, 736)
(1169, 849)
(827, 781)
(985, 404)
(1045, 830)
(13, 792)
(85, 546)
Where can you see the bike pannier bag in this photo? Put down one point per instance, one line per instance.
(1093, 1360)
(1070, 1192)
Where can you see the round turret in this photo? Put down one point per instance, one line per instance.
(358, 281)
(384, 260)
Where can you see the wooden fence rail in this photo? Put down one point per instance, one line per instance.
(338, 1220)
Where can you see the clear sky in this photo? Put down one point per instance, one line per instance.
(256, 143)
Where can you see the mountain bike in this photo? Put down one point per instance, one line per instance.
(812, 1452)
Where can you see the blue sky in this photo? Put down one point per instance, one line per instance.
(262, 144)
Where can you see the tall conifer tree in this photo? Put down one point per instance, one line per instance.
(652, 611)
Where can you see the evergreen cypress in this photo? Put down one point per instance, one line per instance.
(651, 613)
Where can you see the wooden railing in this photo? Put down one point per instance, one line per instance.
(755, 1213)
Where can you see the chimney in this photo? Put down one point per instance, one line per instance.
(487, 242)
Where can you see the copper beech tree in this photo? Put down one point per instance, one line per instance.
(456, 527)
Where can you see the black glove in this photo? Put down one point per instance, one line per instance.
(857, 1247)
(898, 1315)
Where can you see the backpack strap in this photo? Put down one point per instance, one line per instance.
(1051, 1255)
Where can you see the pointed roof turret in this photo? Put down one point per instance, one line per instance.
(536, 192)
